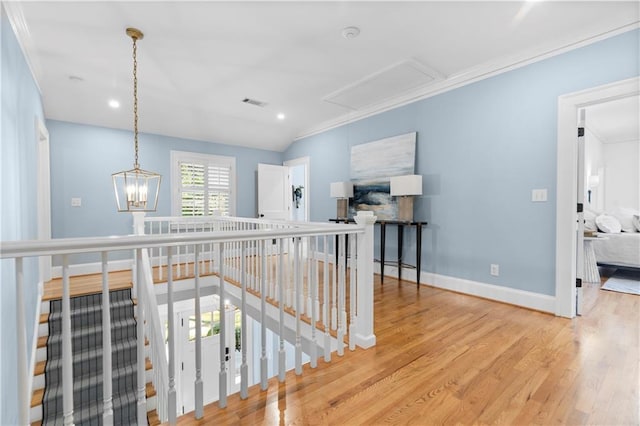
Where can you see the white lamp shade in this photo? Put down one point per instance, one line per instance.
(406, 185)
(594, 181)
(341, 190)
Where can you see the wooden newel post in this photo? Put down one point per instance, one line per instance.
(365, 337)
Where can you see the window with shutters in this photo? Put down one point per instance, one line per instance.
(202, 184)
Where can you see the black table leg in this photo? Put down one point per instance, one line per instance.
(382, 239)
(400, 235)
(419, 252)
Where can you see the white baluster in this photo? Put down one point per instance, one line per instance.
(222, 381)
(308, 259)
(341, 294)
(298, 292)
(244, 368)
(142, 397)
(198, 385)
(352, 294)
(280, 279)
(21, 346)
(263, 322)
(325, 301)
(313, 284)
(334, 287)
(159, 262)
(172, 406)
(67, 352)
(107, 415)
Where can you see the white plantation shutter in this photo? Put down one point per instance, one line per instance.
(204, 184)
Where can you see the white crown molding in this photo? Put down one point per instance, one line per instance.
(21, 31)
(472, 75)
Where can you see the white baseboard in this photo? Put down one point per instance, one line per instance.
(92, 268)
(525, 299)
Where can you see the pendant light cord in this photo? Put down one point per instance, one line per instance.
(135, 101)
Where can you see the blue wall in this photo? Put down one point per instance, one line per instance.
(481, 149)
(21, 105)
(84, 157)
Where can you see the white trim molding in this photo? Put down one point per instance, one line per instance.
(469, 76)
(93, 268)
(521, 298)
(567, 175)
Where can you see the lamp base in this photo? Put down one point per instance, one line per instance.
(343, 206)
(405, 209)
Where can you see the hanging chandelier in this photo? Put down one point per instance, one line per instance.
(136, 189)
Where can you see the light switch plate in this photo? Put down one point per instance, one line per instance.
(539, 195)
(76, 202)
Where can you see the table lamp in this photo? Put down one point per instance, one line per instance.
(342, 191)
(406, 187)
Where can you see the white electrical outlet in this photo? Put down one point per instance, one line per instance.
(76, 202)
(495, 269)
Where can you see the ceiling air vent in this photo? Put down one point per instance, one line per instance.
(254, 102)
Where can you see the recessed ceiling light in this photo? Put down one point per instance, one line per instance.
(114, 104)
(280, 116)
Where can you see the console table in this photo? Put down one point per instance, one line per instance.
(398, 262)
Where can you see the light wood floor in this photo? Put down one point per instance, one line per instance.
(446, 358)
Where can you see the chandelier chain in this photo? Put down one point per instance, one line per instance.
(135, 101)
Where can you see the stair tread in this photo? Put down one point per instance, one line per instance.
(40, 367)
(42, 341)
(80, 413)
(150, 390)
(44, 318)
(86, 382)
(95, 329)
(118, 304)
(152, 418)
(36, 398)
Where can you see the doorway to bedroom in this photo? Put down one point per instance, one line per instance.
(612, 194)
(604, 176)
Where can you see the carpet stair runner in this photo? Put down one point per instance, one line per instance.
(86, 329)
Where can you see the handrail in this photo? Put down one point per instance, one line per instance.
(156, 337)
(27, 248)
(235, 219)
(270, 258)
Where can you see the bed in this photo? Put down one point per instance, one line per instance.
(619, 249)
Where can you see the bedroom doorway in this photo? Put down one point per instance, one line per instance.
(570, 183)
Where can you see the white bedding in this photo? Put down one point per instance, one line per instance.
(621, 249)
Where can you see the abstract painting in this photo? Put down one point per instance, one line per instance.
(372, 165)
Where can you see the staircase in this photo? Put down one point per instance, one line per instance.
(86, 328)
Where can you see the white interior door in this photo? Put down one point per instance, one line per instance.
(210, 358)
(299, 175)
(580, 187)
(273, 192)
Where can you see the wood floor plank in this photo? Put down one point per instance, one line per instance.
(446, 358)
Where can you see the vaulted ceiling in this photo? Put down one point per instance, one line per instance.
(199, 60)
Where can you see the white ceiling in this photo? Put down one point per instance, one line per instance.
(199, 60)
(615, 121)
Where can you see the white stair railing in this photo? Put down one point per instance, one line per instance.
(251, 261)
